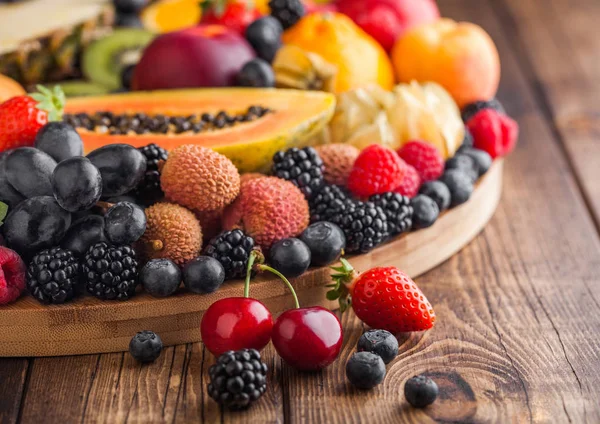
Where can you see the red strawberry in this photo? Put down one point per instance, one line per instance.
(383, 298)
(12, 275)
(493, 132)
(21, 117)
(411, 182)
(425, 157)
(377, 169)
(236, 15)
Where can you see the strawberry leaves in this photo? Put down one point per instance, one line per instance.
(342, 277)
(51, 101)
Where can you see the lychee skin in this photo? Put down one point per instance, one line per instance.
(199, 178)
(172, 232)
(338, 159)
(268, 209)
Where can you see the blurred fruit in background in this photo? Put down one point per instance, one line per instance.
(47, 37)
(171, 15)
(9, 88)
(203, 56)
(386, 20)
(459, 56)
(105, 59)
(296, 68)
(426, 112)
(392, 118)
(333, 36)
(235, 15)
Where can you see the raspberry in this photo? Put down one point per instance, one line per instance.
(425, 158)
(411, 182)
(493, 132)
(12, 275)
(377, 170)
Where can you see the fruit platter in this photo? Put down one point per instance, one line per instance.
(233, 172)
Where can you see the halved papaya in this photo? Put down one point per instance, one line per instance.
(295, 118)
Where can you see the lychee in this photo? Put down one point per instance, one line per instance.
(268, 209)
(199, 178)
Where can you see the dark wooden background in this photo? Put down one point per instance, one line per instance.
(518, 336)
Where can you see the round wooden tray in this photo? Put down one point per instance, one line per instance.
(89, 325)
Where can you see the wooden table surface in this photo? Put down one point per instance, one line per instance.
(518, 331)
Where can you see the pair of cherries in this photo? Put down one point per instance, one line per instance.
(308, 339)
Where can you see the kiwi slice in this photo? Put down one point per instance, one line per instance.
(104, 60)
(78, 88)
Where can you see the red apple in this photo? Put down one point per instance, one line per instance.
(386, 20)
(203, 56)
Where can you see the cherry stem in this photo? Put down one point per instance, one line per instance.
(248, 274)
(285, 280)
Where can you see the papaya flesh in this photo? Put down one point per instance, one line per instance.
(296, 118)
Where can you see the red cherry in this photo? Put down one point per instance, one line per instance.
(236, 323)
(308, 339)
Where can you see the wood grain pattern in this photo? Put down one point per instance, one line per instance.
(518, 308)
(89, 325)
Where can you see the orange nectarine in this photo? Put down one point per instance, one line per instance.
(459, 56)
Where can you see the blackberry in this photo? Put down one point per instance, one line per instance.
(237, 379)
(303, 167)
(53, 276)
(232, 249)
(148, 190)
(364, 224)
(398, 210)
(329, 202)
(110, 272)
(288, 12)
(472, 109)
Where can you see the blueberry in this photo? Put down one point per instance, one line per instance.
(122, 167)
(420, 391)
(459, 184)
(379, 342)
(256, 73)
(203, 275)
(145, 346)
(365, 370)
(471, 109)
(467, 140)
(127, 76)
(325, 241)
(124, 223)
(290, 256)
(481, 158)
(77, 184)
(29, 171)
(264, 35)
(438, 191)
(129, 6)
(160, 277)
(83, 233)
(128, 20)
(426, 211)
(59, 140)
(464, 163)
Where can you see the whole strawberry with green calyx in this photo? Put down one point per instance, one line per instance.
(22, 117)
(383, 298)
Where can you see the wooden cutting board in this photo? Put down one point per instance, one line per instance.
(90, 325)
